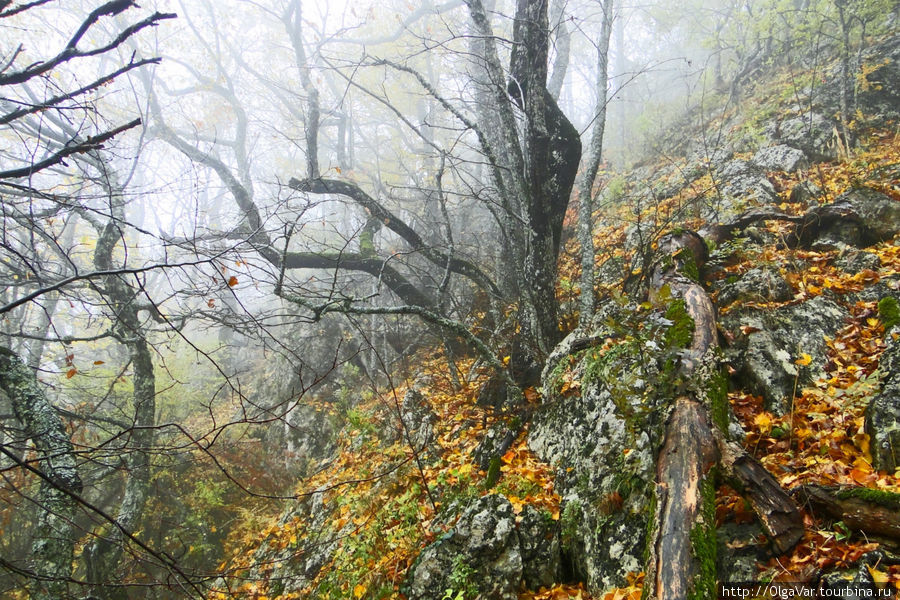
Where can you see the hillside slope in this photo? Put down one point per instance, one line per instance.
(428, 494)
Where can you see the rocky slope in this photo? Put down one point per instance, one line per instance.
(427, 495)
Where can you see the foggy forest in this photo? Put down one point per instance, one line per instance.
(449, 299)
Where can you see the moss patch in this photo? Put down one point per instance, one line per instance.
(889, 312)
(703, 542)
(879, 497)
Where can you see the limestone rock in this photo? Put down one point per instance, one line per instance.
(883, 412)
(765, 357)
(481, 554)
(780, 157)
(757, 285)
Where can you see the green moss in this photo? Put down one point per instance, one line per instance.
(879, 497)
(889, 312)
(703, 543)
(717, 399)
(568, 522)
(688, 264)
(493, 473)
(681, 332)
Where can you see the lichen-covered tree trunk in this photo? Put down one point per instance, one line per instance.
(56, 533)
(105, 551)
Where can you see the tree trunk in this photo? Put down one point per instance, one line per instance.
(105, 551)
(55, 534)
(595, 155)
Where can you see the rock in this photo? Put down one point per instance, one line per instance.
(878, 213)
(852, 261)
(780, 157)
(496, 441)
(481, 555)
(539, 538)
(883, 412)
(765, 358)
(757, 285)
(418, 421)
(309, 436)
(812, 133)
(743, 183)
(603, 442)
(739, 549)
(859, 217)
(805, 193)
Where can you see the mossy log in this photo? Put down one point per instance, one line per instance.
(874, 512)
(682, 543)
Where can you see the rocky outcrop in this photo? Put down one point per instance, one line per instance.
(757, 285)
(418, 421)
(859, 217)
(743, 182)
(812, 132)
(780, 157)
(603, 441)
(883, 412)
(768, 342)
(482, 554)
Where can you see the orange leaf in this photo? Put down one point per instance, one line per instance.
(71, 373)
(98, 362)
(232, 281)
(359, 590)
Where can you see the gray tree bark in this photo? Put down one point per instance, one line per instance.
(56, 533)
(595, 154)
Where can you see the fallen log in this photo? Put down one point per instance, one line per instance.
(874, 512)
(682, 545)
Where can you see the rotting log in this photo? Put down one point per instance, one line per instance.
(682, 544)
(875, 512)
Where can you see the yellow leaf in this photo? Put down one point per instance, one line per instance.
(879, 577)
(359, 590)
(804, 360)
(764, 422)
(98, 362)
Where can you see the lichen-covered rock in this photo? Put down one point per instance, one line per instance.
(603, 442)
(878, 213)
(756, 285)
(780, 157)
(805, 192)
(853, 260)
(418, 421)
(765, 356)
(859, 217)
(811, 132)
(309, 436)
(883, 412)
(743, 183)
(482, 554)
(539, 538)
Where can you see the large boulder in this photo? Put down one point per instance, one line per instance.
(811, 132)
(883, 412)
(768, 342)
(603, 441)
(418, 423)
(744, 184)
(756, 285)
(481, 555)
(859, 217)
(780, 157)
